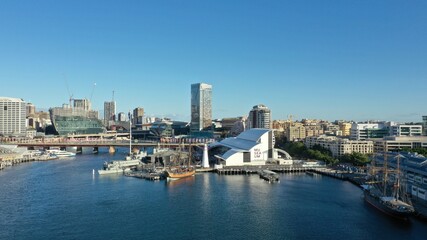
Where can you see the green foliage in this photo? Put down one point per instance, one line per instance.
(299, 150)
(421, 151)
(355, 158)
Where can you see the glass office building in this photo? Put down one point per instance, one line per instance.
(201, 107)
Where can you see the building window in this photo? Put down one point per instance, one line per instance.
(5, 108)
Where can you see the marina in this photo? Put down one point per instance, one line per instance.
(231, 205)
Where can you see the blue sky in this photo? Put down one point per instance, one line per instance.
(329, 59)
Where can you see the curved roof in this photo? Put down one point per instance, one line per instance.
(253, 134)
(246, 140)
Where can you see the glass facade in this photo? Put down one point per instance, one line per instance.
(201, 106)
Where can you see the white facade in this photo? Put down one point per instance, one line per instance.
(406, 130)
(12, 116)
(395, 143)
(259, 117)
(363, 131)
(252, 147)
(340, 146)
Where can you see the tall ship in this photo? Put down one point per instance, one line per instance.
(181, 171)
(386, 192)
(76, 118)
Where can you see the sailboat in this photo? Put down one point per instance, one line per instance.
(120, 166)
(181, 171)
(388, 198)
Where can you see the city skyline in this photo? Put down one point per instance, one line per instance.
(354, 61)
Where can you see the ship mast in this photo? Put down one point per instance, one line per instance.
(398, 177)
(130, 133)
(385, 175)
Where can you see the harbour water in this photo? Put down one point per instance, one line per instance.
(62, 199)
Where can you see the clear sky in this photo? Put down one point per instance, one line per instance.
(328, 59)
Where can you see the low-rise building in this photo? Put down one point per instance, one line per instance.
(252, 147)
(340, 146)
(406, 130)
(395, 143)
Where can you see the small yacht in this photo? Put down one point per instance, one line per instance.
(60, 153)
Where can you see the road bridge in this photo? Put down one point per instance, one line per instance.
(96, 143)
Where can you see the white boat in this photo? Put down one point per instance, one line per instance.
(115, 167)
(120, 167)
(60, 153)
(46, 157)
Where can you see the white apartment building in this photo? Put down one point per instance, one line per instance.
(12, 116)
(406, 130)
(363, 131)
(340, 146)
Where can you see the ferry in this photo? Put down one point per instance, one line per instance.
(60, 153)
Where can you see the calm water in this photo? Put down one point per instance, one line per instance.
(62, 200)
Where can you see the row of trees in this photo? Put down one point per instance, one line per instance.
(421, 151)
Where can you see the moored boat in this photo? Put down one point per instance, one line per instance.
(115, 167)
(269, 176)
(387, 204)
(388, 197)
(180, 172)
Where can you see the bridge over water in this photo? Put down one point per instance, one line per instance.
(111, 144)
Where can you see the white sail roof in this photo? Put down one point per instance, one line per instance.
(246, 140)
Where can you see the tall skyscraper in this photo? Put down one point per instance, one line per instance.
(138, 114)
(109, 112)
(12, 116)
(259, 117)
(201, 106)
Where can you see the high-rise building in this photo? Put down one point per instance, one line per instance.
(138, 114)
(12, 116)
(82, 104)
(122, 117)
(259, 117)
(109, 112)
(31, 109)
(201, 106)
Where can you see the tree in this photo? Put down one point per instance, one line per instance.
(355, 158)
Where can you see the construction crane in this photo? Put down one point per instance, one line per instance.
(68, 90)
